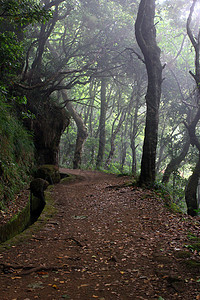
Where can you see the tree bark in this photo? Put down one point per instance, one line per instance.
(81, 131)
(146, 38)
(124, 146)
(175, 162)
(113, 136)
(191, 191)
(133, 136)
(48, 125)
(102, 122)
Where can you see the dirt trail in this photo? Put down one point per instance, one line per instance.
(105, 242)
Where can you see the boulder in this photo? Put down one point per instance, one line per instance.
(49, 173)
(37, 187)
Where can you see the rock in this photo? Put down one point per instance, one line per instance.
(49, 173)
(37, 187)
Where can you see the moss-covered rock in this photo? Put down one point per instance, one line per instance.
(69, 178)
(38, 186)
(49, 173)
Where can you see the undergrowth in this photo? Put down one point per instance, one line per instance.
(16, 154)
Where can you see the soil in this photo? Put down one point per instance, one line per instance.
(107, 241)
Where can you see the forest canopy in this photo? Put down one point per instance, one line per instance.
(107, 85)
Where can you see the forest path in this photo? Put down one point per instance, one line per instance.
(106, 241)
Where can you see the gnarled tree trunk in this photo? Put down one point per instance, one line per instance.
(146, 38)
(48, 125)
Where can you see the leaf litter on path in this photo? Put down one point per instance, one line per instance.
(125, 250)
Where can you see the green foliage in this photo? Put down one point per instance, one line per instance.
(166, 192)
(16, 146)
(16, 154)
(14, 16)
(194, 245)
(175, 208)
(11, 54)
(193, 237)
(23, 12)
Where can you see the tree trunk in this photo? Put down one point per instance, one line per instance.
(175, 162)
(102, 122)
(48, 125)
(81, 131)
(113, 136)
(146, 38)
(133, 136)
(123, 153)
(191, 191)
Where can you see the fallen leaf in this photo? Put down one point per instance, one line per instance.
(42, 273)
(83, 285)
(55, 287)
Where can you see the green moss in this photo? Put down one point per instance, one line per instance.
(16, 225)
(49, 173)
(68, 179)
(193, 263)
(71, 178)
(47, 213)
(182, 254)
(174, 208)
(193, 237)
(16, 154)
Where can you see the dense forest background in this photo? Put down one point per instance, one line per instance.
(76, 78)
